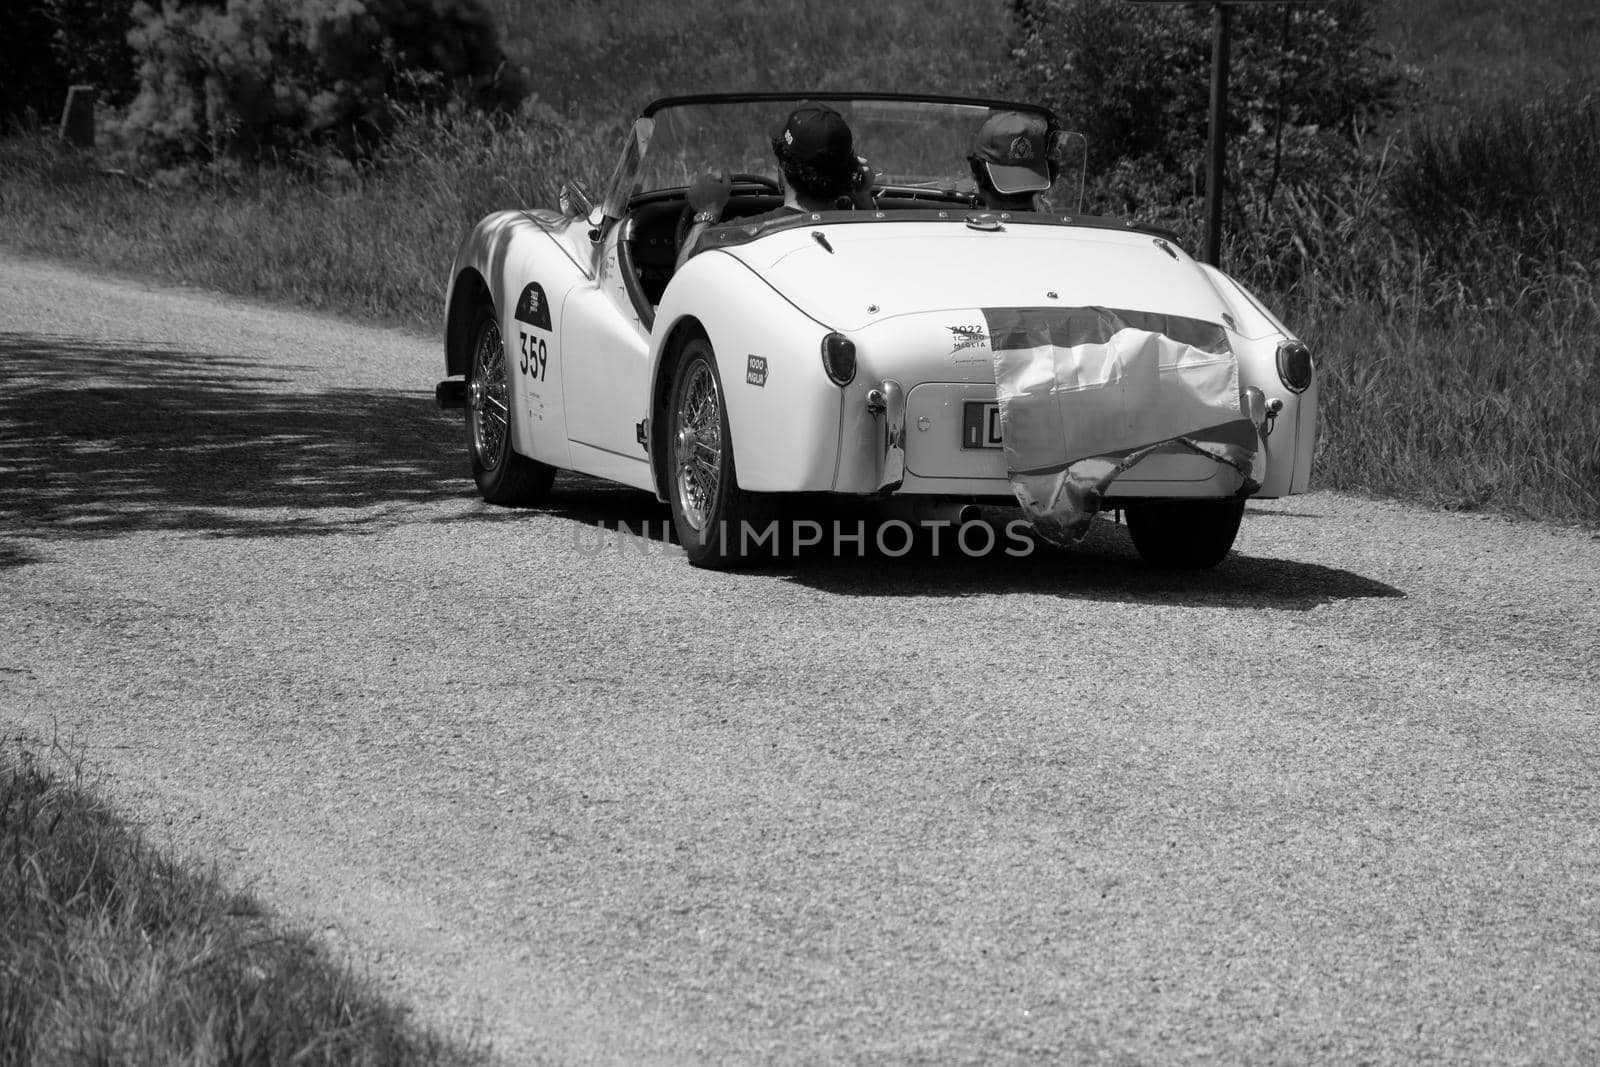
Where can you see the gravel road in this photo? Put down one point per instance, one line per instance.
(1335, 801)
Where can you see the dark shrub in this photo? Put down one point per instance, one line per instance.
(1305, 86)
(1135, 79)
(48, 45)
(273, 78)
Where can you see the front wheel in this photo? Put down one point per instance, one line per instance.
(716, 521)
(504, 477)
(1187, 534)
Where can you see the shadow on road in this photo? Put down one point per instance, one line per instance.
(1104, 566)
(99, 439)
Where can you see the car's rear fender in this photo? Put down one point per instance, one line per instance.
(1255, 334)
(783, 411)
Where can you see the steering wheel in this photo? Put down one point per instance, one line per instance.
(767, 184)
(686, 216)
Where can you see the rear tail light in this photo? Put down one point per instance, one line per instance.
(1294, 366)
(839, 358)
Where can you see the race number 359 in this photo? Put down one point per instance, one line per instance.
(534, 355)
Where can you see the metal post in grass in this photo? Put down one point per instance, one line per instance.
(1217, 135)
(77, 117)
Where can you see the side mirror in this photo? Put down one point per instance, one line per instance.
(575, 200)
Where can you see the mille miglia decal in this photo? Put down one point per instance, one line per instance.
(755, 370)
(970, 343)
(963, 337)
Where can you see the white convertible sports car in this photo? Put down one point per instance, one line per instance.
(928, 353)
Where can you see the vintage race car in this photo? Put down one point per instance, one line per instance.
(929, 353)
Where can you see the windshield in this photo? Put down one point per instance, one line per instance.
(910, 143)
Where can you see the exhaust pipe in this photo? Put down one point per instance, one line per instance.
(924, 510)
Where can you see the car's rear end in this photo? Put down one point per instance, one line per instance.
(928, 304)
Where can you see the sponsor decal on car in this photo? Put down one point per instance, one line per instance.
(970, 344)
(755, 371)
(532, 307)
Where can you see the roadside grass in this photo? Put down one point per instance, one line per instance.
(1498, 411)
(374, 242)
(113, 953)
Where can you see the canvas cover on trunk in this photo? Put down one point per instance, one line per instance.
(1085, 393)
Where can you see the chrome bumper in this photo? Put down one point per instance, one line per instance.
(889, 401)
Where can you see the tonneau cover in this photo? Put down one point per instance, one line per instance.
(1086, 392)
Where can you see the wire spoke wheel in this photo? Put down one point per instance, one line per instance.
(714, 518)
(488, 398)
(697, 435)
(503, 475)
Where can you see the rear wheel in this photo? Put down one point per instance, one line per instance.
(1190, 534)
(504, 477)
(716, 521)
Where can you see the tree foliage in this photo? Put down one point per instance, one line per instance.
(273, 78)
(1305, 84)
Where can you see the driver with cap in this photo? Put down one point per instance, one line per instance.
(1011, 162)
(817, 156)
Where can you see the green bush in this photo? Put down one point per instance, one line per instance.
(275, 78)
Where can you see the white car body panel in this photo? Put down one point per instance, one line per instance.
(785, 431)
(939, 266)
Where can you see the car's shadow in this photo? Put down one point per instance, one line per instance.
(1104, 566)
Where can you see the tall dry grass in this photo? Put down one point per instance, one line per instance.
(375, 241)
(1497, 411)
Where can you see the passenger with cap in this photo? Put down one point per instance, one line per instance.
(816, 155)
(1011, 162)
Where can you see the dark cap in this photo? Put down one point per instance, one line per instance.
(814, 133)
(1014, 147)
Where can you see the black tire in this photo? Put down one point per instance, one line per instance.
(712, 515)
(1187, 534)
(504, 476)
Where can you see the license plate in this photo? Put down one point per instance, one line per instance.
(980, 424)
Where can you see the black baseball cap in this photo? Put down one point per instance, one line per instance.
(814, 133)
